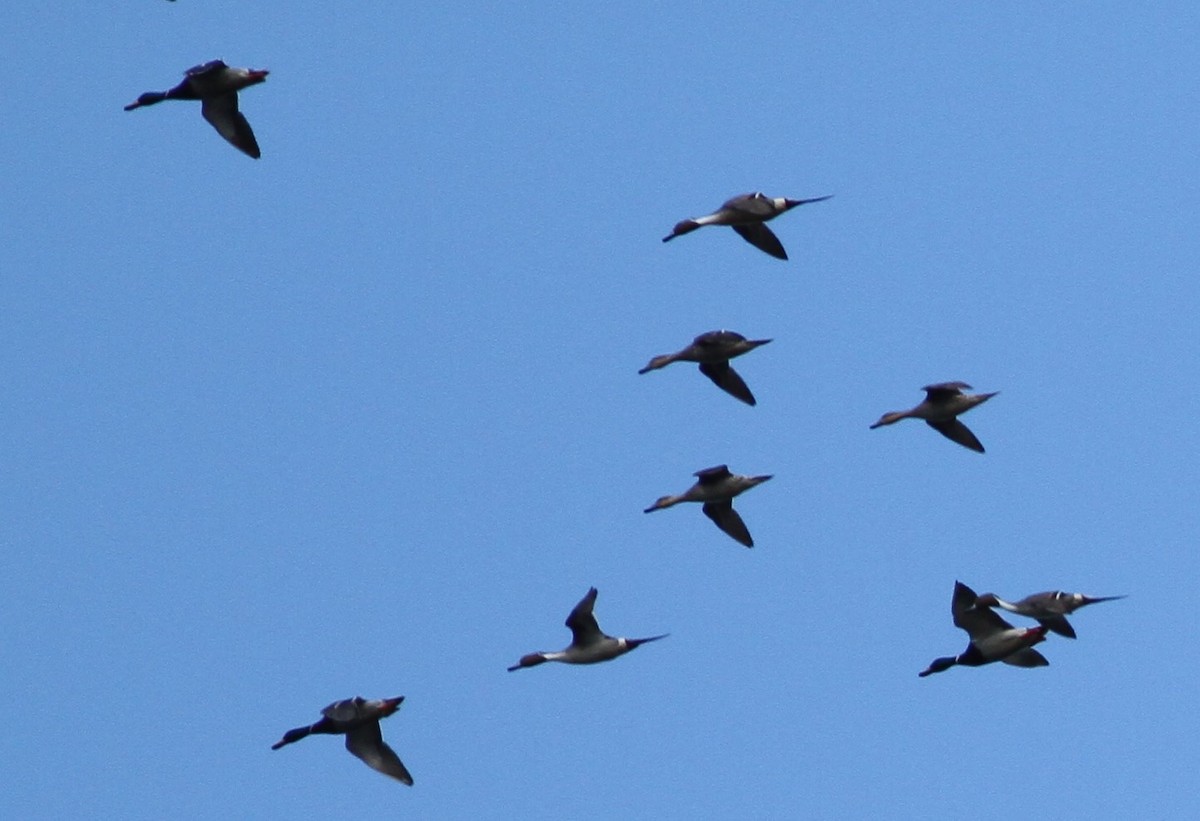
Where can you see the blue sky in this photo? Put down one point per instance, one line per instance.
(364, 417)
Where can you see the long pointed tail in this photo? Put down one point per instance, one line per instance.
(632, 643)
(1098, 599)
(794, 203)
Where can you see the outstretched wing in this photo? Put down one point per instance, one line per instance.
(713, 475)
(1059, 625)
(212, 66)
(718, 340)
(223, 115)
(1026, 658)
(762, 238)
(584, 628)
(726, 518)
(345, 710)
(366, 743)
(979, 622)
(728, 380)
(956, 431)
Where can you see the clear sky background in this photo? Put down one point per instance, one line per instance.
(364, 417)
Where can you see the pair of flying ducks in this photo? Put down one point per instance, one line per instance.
(994, 639)
(358, 718)
(716, 487)
(216, 86)
(944, 402)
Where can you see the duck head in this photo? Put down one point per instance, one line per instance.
(660, 503)
(938, 665)
(890, 418)
(659, 362)
(529, 660)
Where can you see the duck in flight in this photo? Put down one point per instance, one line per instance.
(992, 638)
(216, 85)
(1050, 608)
(943, 404)
(747, 214)
(716, 487)
(588, 643)
(358, 719)
(713, 350)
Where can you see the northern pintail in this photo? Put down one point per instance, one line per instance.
(747, 214)
(713, 350)
(716, 488)
(992, 638)
(943, 404)
(358, 718)
(1049, 608)
(588, 643)
(216, 85)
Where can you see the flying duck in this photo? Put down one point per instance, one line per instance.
(588, 643)
(358, 718)
(1049, 608)
(944, 402)
(716, 487)
(713, 350)
(216, 86)
(747, 214)
(992, 638)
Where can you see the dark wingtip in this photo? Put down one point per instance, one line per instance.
(1059, 626)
